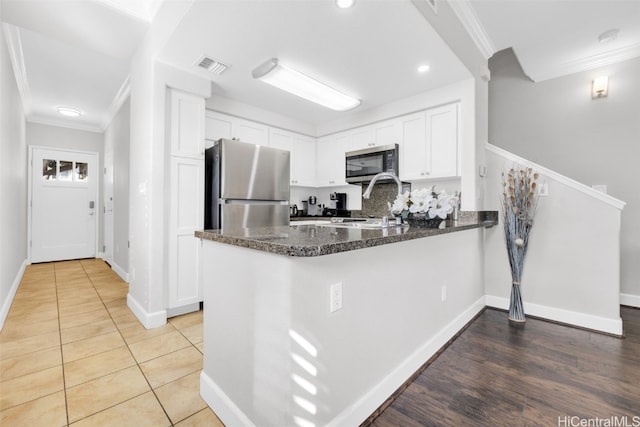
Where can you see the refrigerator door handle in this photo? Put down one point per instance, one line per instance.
(253, 202)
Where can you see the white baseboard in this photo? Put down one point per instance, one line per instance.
(148, 320)
(221, 404)
(6, 304)
(120, 272)
(630, 300)
(178, 311)
(597, 323)
(358, 412)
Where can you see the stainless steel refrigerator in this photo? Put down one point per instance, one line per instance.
(246, 186)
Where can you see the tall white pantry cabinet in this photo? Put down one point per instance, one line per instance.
(186, 200)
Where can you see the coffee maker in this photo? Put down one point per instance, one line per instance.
(339, 204)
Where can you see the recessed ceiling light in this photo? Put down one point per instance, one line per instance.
(69, 112)
(423, 68)
(608, 36)
(345, 4)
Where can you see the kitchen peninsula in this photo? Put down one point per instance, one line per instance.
(317, 325)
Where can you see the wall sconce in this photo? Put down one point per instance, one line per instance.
(600, 87)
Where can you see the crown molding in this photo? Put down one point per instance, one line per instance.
(584, 64)
(50, 121)
(116, 104)
(14, 46)
(469, 19)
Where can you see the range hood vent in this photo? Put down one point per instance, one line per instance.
(212, 65)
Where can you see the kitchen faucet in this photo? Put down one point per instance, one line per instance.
(367, 192)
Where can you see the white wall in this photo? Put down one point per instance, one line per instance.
(572, 268)
(556, 123)
(147, 179)
(13, 185)
(393, 319)
(116, 144)
(72, 139)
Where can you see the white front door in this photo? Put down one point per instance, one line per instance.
(64, 204)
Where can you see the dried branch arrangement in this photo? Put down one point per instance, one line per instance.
(519, 206)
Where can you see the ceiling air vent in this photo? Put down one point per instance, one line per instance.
(212, 65)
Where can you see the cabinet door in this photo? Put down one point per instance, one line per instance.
(280, 139)
(442, 132)
(327, 160)
(216, 126)
(283, 140)
(304, 161)
(252, 132)
(186, 215)
(414, 150)
(387, 132)
(187, 125)
(360, 138)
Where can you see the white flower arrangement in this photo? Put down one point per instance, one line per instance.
(423, 201)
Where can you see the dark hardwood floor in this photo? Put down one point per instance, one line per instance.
(542, 374)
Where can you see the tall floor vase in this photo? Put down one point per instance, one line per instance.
(516, 308)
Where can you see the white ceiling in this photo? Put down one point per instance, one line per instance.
(71, 53)
(371, 51)
(553, 38)
(77, 52)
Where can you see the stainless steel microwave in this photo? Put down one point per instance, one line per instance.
(363, 165)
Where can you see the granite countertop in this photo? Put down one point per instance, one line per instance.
(315, 240)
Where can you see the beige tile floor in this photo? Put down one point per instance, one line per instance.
(73, 354)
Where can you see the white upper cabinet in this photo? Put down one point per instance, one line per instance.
(387, 133)
(219, 125)
(252, 132)
(330, 160)
(429, 146)
(415, 158)
(442, 133)
(187, 123)
(357, 139)
(303, 155)
(304, 161)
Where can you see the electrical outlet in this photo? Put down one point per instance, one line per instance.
(444, 293)
(335, 297)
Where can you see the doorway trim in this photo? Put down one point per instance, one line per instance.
(30, 195)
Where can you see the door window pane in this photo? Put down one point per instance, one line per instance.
(82, 172)
(49, 169)
(66, 170)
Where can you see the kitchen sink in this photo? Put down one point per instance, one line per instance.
(363, 223)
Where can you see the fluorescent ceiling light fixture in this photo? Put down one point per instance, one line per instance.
(345, 4)
(423, 68)
(69, 112)
(296, 83)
